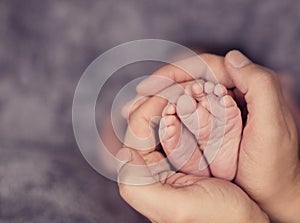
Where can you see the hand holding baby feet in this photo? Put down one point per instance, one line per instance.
(268, 167)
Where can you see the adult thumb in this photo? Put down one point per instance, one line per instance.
(140, 189)
(260, 87)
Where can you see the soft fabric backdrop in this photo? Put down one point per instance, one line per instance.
(45, 45)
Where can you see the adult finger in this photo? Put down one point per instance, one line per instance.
(132, 105)
(206, 66)
(142, 122)
(269, 148)
(141, 190)
(261, 90)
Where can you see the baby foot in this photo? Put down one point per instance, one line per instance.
(214, 119)
(180, 145)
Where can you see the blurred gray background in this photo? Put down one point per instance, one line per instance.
(45, 45)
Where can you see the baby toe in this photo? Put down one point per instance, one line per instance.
(209, 87)
(169, 110)
(227, 101)
(220, 90)
(197, 90)
(188, 90)
(168, 127)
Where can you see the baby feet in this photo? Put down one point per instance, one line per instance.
(211, 118)
(180, 145)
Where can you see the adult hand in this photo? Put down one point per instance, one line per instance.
(268, 167)
(180, 197)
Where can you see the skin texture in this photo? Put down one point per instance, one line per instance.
(177, 139)
(181, 197)
(268, 168)
(214, 120)
(269, 146)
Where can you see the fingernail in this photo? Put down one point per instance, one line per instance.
(237, 59)
(123, 156)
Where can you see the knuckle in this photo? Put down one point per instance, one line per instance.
(264, 79)
(265, 76)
